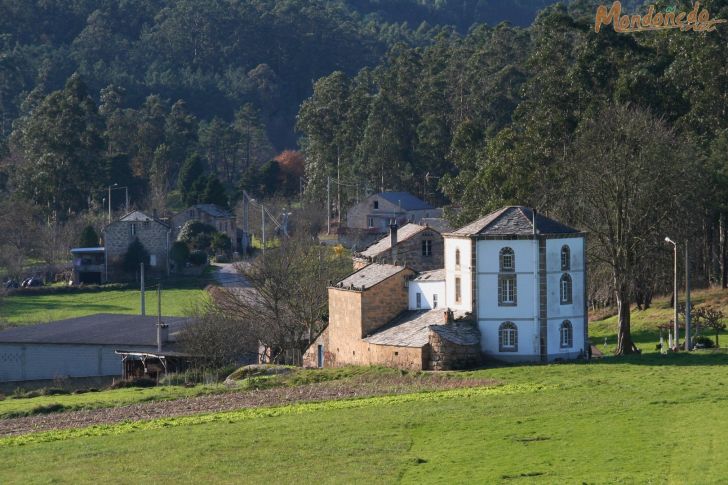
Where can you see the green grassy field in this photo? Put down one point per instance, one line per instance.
(19, 310)
(644, 419)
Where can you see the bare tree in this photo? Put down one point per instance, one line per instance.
(288, 296)
(627, 181)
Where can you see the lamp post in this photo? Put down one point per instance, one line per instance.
(126, 199)
(688, 343)
(674, 246)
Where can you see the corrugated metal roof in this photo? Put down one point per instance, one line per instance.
(370, 276)
(405, 200)
(87, 250)
(99, 329)
(513, 221)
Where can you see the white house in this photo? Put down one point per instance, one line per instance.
(522, 277)
(427, 291)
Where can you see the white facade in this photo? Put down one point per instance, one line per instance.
(459, 273)
(508, 300)
(431, 295)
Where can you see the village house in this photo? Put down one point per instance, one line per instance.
(512, 288)
(222, 220)
(377, 212)
(416, 246)
(154, 235)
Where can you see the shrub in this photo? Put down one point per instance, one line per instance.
(137, 382)
(88, 238)
(179, 253)
(704, 342)
(60, 290)
(198, 258)
(221, 243)
(135, 255)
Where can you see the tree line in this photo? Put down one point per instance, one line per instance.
(623, 135)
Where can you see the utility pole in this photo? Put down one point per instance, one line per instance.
(676, 340)
(246, 229)
(688, 343)
(126, 191)
(109, 204)
(142, 287)
(262, 223)
(159, 317)
(328, 205)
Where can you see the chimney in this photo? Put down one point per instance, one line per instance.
(447, 317)
(533, 222)
(393, 240)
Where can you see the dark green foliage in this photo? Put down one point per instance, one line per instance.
(214, 193)
(134, 256)
(197, 235)
(179, 253)
(191, 172)
(198, 257)
(221, 243)
(88, 238)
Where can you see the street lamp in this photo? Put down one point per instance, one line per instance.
(676, 331)
(126, 200)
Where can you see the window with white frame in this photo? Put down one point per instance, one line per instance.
(434, 300)
(418, 298)
(508, 337)
(565, 258)
(506, 290)
(458, 291)
(133, 229)
(457, 258)
(565, 289)
(507, 260)
(370, 222)
(566, 335)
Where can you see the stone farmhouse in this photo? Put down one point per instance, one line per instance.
(416, 246)
(378, 211)
(222, 220)
(155, 235)
(512, 289)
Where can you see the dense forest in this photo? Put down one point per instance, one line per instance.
(623, 135)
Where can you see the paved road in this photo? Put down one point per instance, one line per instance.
(229, 277)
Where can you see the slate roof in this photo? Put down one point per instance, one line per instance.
(434, 275)
(213, 210)
(138, 216)
(406, 200)
(437, 223)
(385, 244)
(370, 275)
(412, 329)
(513, 221)
(99, 329)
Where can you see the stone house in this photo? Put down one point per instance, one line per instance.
(512, 288)
(378, 211)
(222, 220)
(418, 247)
(370, 323)
(154, 234)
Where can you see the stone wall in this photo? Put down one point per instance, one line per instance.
(446, 355)
(384, 301)
(152, 234)
(409, 252)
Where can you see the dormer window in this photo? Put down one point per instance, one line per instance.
(565, 258)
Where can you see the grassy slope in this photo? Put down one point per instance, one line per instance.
(647, 418)
(644, 323)
(19, 310)
(11, 407)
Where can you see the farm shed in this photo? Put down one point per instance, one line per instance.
(80, 347)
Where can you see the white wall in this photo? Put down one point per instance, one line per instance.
(554, 338)
(573, 312)
(464, 272)
(488, 261)
(25, 362)
(427, 289)
(528, 340)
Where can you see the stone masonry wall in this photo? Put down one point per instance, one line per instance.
(445, 355)
(409, 252)
(153, 235)
(383, 302)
